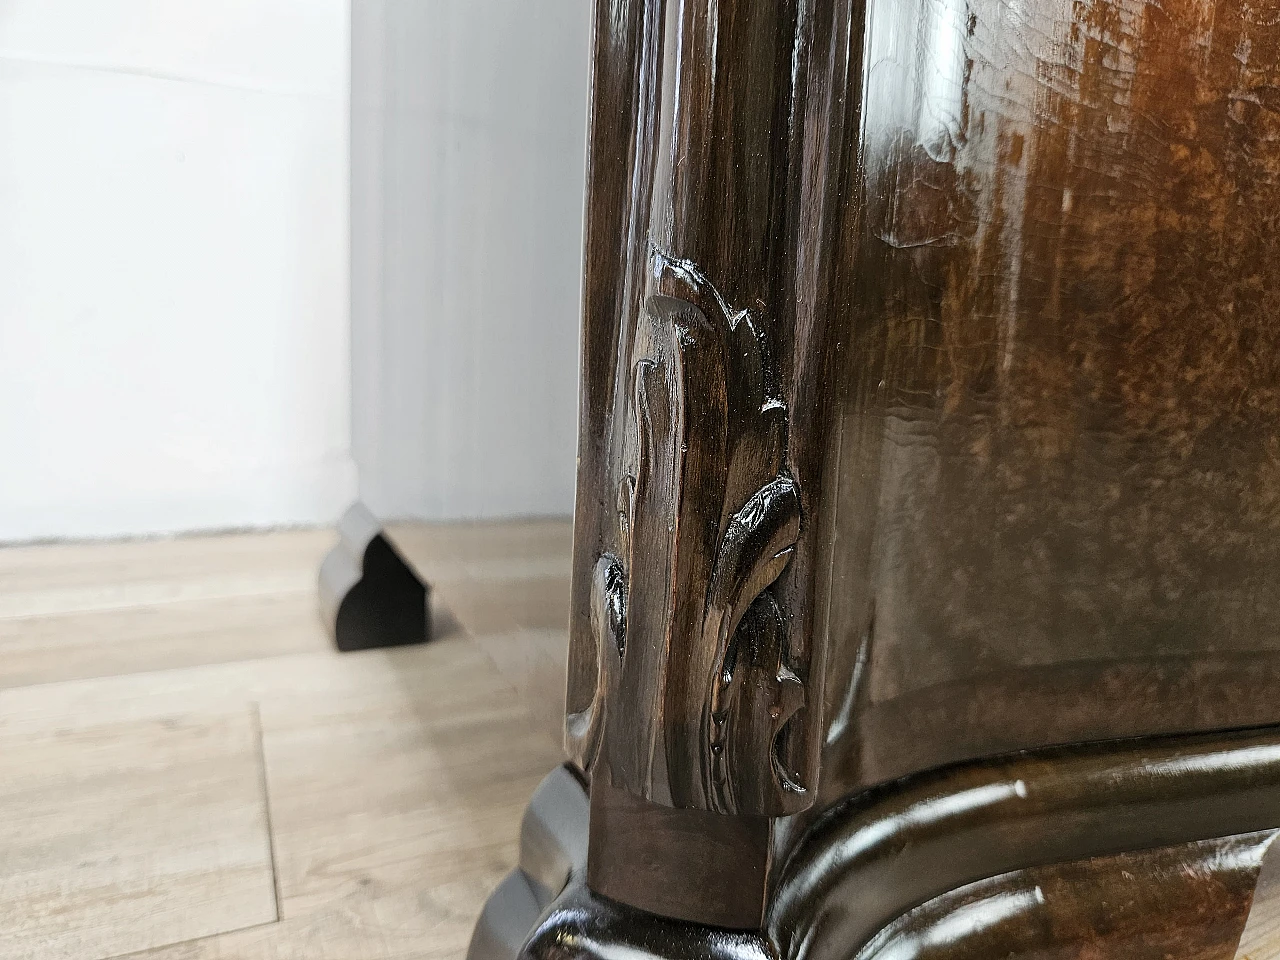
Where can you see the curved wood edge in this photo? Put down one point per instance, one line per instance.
(369, 595)
(1135, 846)
(553, 849)
(870, 860)
(1190, 901)
(581, 925)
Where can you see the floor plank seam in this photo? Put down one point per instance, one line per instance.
(256, 712)
(189, 942)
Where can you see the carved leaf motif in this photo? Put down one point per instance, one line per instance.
(763, 694)
(609, 627)
(753, 552)
(691, 645)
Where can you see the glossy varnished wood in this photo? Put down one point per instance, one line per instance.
(694, 865)
(869, 860)
(1190, 901)
(695, 678)
(931, 373)
(1013, 276)
(691, 591)
(1058, 404)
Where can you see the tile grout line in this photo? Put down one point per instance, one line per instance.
(256, 712)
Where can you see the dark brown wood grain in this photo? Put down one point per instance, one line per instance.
(1189, 902)
(930, 401)
(1060, 320)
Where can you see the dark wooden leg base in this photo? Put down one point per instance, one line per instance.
(544, 910)
(582, 925)
(369, 595)
(692, 865)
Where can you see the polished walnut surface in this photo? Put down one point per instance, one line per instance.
(1058, 515)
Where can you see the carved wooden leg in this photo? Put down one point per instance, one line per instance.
(694, 687)
(369, 595)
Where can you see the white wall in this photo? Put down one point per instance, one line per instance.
(468, 133)
(173, 265)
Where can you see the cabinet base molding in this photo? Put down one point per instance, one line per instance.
(370, 596)
(1138, 850)
(553, 856)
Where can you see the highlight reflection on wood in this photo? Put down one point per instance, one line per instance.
(1062, 379)
(1189, 902)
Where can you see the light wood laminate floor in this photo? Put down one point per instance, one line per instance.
(188, 771)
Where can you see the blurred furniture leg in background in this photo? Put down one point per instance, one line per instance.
(928, 509)
(369, 595)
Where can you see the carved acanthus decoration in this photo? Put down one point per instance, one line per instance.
(695, 689)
